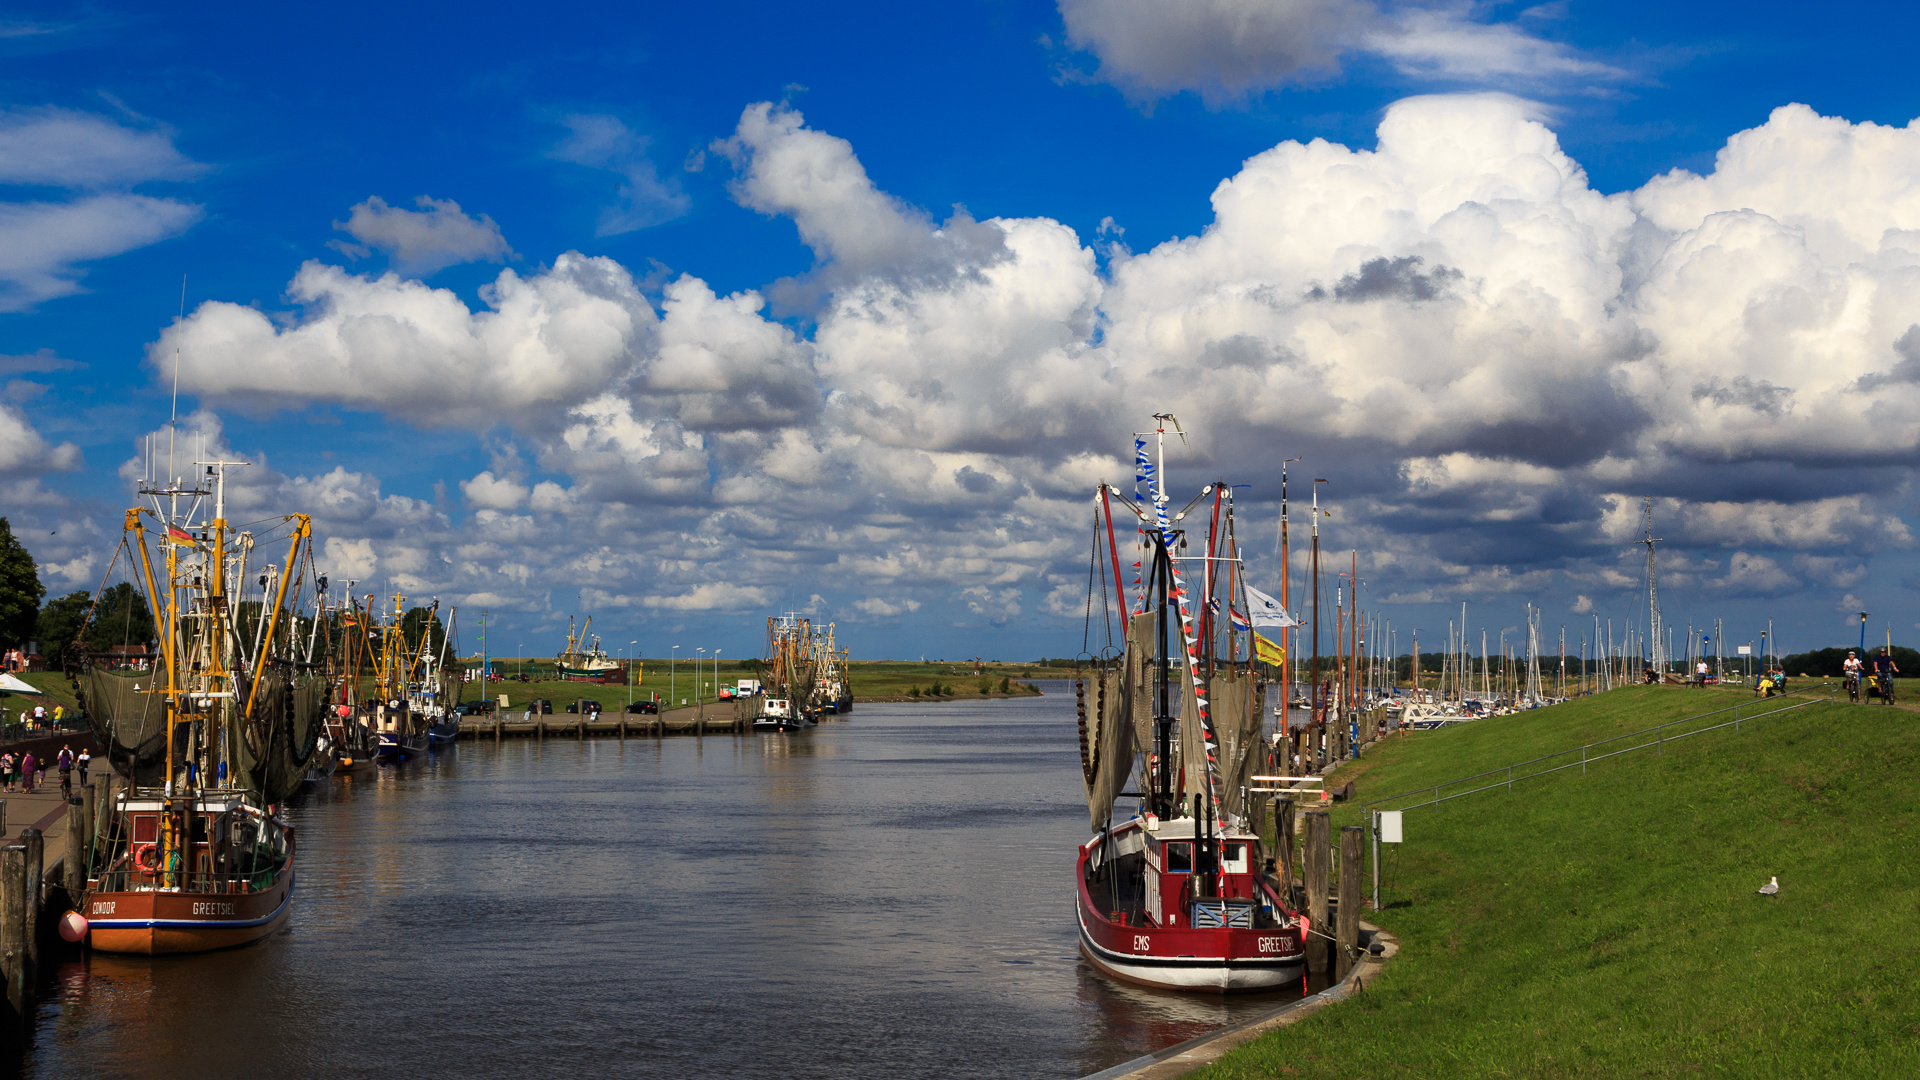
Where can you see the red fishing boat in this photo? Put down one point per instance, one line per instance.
(1175, 896)
(189, 855)
(1167, 905)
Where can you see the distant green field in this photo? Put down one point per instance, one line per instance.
(1607, 926)
(869, 680)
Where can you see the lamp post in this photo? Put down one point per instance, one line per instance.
(697, 703)
(671, 662)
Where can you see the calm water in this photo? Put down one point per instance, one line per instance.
(885, 896)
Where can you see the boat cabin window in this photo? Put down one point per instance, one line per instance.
(1233, 857)
(1179, 858)
(146, 829)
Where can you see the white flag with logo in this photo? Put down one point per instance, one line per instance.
(1264, 610)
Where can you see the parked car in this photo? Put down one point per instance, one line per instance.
(474, 708)
(593, 707)
(541, 706)
(652, 707)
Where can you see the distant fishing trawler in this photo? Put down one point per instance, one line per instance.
(582, 663)
(1173, 897)
(832, 694)
(791, 675)
(191, 854)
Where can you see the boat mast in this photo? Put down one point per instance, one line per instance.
(1313, 669)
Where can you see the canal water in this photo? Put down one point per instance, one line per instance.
(888, 895)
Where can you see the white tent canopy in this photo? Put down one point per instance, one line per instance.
(13, 685)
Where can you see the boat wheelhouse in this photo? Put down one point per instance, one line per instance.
(778, 714)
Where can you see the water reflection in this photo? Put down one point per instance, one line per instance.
(882, 896)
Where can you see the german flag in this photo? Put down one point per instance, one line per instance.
(181, 537)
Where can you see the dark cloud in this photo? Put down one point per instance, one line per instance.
(1392, 279)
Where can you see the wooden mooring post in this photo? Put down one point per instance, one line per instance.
(13, 930)
(1347, 923)
(35, 844)
(1283, 846)
(74, 862)
(1319, 857)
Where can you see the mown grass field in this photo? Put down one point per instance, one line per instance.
(1607, 925)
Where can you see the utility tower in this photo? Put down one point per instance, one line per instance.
(1656, 636)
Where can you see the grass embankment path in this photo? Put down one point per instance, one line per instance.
(1607, 926)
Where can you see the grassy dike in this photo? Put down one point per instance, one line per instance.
(1607, 925)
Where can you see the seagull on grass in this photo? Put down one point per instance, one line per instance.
(1771, 888)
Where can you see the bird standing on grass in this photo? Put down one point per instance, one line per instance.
(1771, 888)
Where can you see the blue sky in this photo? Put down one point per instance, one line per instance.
(680, 480)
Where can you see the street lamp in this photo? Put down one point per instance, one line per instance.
(696, 677)
(671, 661)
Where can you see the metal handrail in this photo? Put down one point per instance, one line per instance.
(192, 882)
(1661, 738)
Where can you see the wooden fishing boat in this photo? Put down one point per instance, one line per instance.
(230, 884)
(1175, 896)
(189, 854)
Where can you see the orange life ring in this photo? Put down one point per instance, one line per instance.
(146, 857)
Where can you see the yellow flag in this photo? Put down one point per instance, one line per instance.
(1267, 652)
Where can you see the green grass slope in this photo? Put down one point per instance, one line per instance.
(1607, 926)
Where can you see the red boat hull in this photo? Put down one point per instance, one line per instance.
(1213, 959)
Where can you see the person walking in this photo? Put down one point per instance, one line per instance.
(1700, 674)
(28, 766)
(85, 759)
(65, 764)
(6, 770)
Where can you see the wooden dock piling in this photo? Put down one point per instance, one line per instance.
(74, 863)
(13, 929)
(1347, 922)
(35, 844)
(1283, 846)
(1318, 858)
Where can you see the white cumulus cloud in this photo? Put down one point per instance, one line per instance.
(44, 241)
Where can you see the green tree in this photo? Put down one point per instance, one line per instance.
(120, 618)
(20, 590)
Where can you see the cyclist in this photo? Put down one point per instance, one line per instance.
(1851, 670)
(1885, 669)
